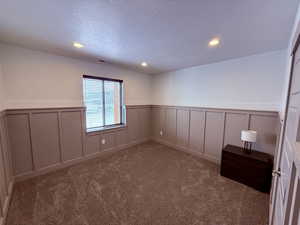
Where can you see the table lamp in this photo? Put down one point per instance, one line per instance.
(248, 137)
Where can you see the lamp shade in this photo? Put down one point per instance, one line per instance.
(248, 135)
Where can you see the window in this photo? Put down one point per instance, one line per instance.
(103, 101)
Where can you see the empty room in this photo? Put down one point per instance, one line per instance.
(160, 112)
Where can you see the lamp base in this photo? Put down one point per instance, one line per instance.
(247, 147)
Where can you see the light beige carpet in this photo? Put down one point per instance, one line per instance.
(149, 184)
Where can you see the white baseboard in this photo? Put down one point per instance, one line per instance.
(188, 150)
(68, 163)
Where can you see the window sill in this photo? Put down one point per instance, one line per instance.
(105, 129)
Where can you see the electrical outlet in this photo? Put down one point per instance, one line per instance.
(103, 141)
(161, 133)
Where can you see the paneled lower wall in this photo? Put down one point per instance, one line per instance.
(47, 139)
(6, 172)
(36, 141)
(205, 131)
(137, 130)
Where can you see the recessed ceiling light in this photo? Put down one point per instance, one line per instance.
(78, 45)
(144, 64)
(214, 42)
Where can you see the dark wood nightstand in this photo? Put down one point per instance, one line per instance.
(254, 170)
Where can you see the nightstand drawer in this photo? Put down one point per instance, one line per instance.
(244, 162)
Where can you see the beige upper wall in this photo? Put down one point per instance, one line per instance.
(37, 79)
(254, 82)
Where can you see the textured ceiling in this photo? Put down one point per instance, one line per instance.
(167, 34)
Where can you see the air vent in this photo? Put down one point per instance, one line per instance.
(100, 61)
